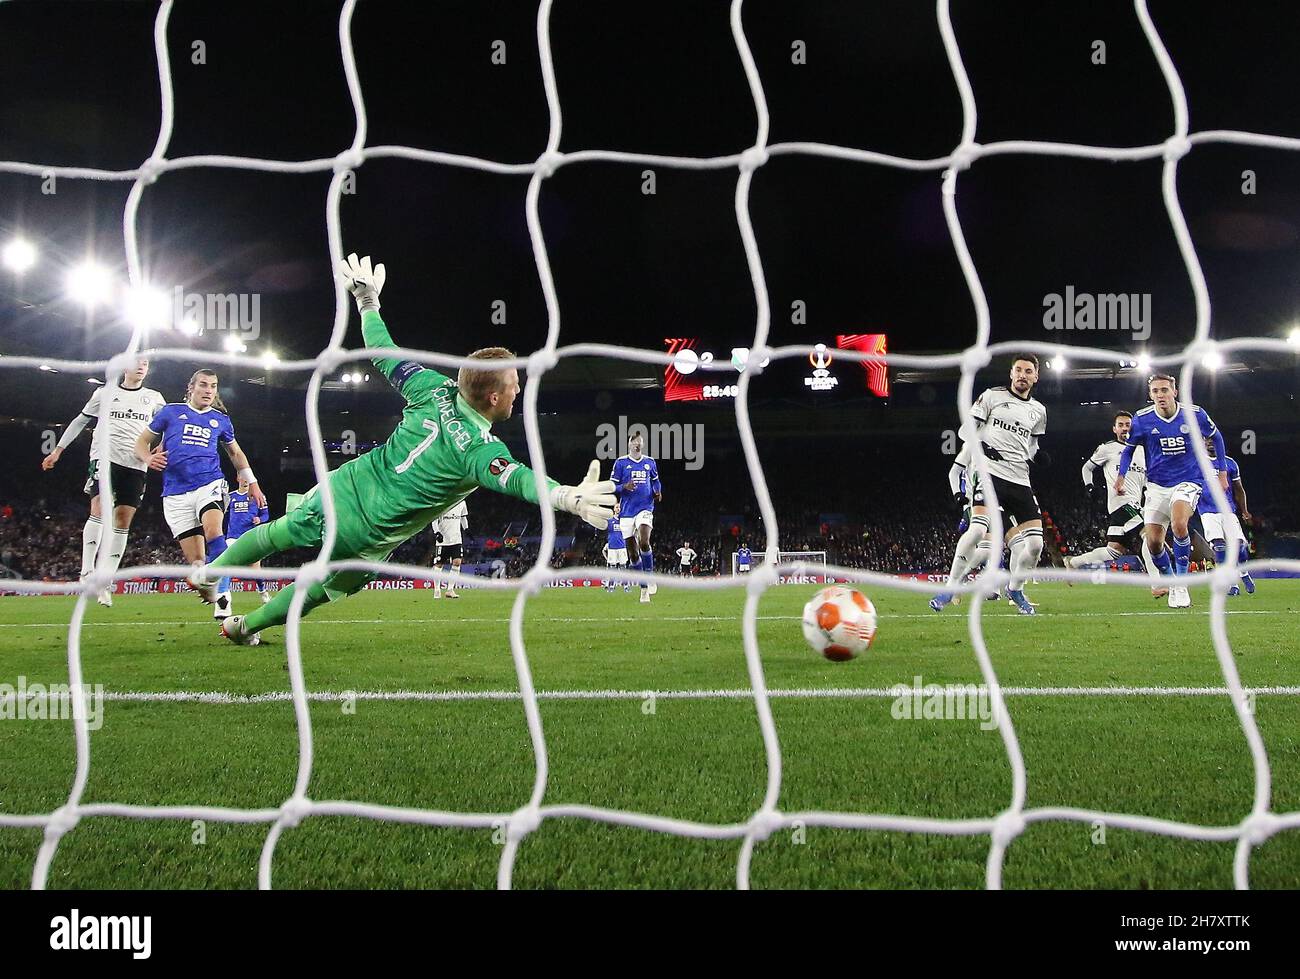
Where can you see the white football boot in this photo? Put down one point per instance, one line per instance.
(232, 627)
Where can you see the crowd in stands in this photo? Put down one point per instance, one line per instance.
(895, 514)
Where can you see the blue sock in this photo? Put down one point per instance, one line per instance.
(1182, 554)
(215, 548)
(647, 561)
(1162, 562)
(1220, 552)
(1243, 552)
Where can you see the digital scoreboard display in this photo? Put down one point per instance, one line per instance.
(708, 372)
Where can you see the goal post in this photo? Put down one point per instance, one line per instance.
(759, 558)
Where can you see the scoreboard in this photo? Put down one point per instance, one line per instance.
(700, 372)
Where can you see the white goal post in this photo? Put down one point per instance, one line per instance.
(784, 557)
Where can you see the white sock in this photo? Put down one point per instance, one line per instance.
(455, 572)
(982, 554)
(1098, 555)
(89, 544)
(1025, 552)
(966, 546)
(116, 548)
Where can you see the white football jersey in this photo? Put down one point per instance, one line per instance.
(1107, 456)
(129, 413)
(452, 522)
(1011, 425)
(686, 554)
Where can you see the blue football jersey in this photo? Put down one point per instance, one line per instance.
(743, 556)
(642, 481)
(1207, 504)
(614, 535)
(190, 438)
(242, 511)
(1168, 444)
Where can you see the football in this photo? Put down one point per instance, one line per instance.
(839, 622)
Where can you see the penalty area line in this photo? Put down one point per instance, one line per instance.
(792, 693)
(501, 619)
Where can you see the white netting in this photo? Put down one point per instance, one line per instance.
(1253, 829)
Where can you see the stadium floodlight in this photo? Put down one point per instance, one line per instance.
(1212, 361)
(48, 369)
(1293, 337)
(147, 307)
(1143, 363)
(93, 380)
(89, 284)
(346, 378)
(1057, 364)
(19, 255)
(234, 345)
(189, 326)
(270, 358)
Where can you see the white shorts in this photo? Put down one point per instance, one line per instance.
(1161, 499)
(1217, 526)
(182, 510)
(743, 568)
(616, 556)
(628, 525)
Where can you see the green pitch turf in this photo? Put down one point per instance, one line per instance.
(1174, 756)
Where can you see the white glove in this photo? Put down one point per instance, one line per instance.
(363, 282)
(592, 499)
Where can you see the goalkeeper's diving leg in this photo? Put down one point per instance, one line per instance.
(300, 528)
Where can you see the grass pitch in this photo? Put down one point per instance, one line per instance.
(1176, 756)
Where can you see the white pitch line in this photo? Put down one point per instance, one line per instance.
(958, 614)
(793, 693)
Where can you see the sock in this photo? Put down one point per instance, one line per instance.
(116, 548)
(1024, 557)
(215, 548)
(1098, 555)
(89, 544)
(967, 545)
(1220, 551)
(1149, 563)
(983, 551)
(1182, 554)
(261, 584)
(1243, 555)
(249, 548)
(1162, 561)
(276, 611)
(455, 572)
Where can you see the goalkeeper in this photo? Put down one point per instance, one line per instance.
(441, 452)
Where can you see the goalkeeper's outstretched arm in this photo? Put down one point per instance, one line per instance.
(365, 282)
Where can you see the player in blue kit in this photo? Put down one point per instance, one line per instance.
(194, 489)
(1216, 524)
(744, 560)
(1175, 482)
(615, 551)
(637, 486)
(244, 514)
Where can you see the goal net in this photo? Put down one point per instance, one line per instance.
(999, 828)
(813, 561)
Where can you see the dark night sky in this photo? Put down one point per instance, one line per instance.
(864, 246)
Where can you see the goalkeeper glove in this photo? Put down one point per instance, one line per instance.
(592, 499)
(362, 281)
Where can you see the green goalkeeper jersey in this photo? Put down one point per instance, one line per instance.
(440, 453)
